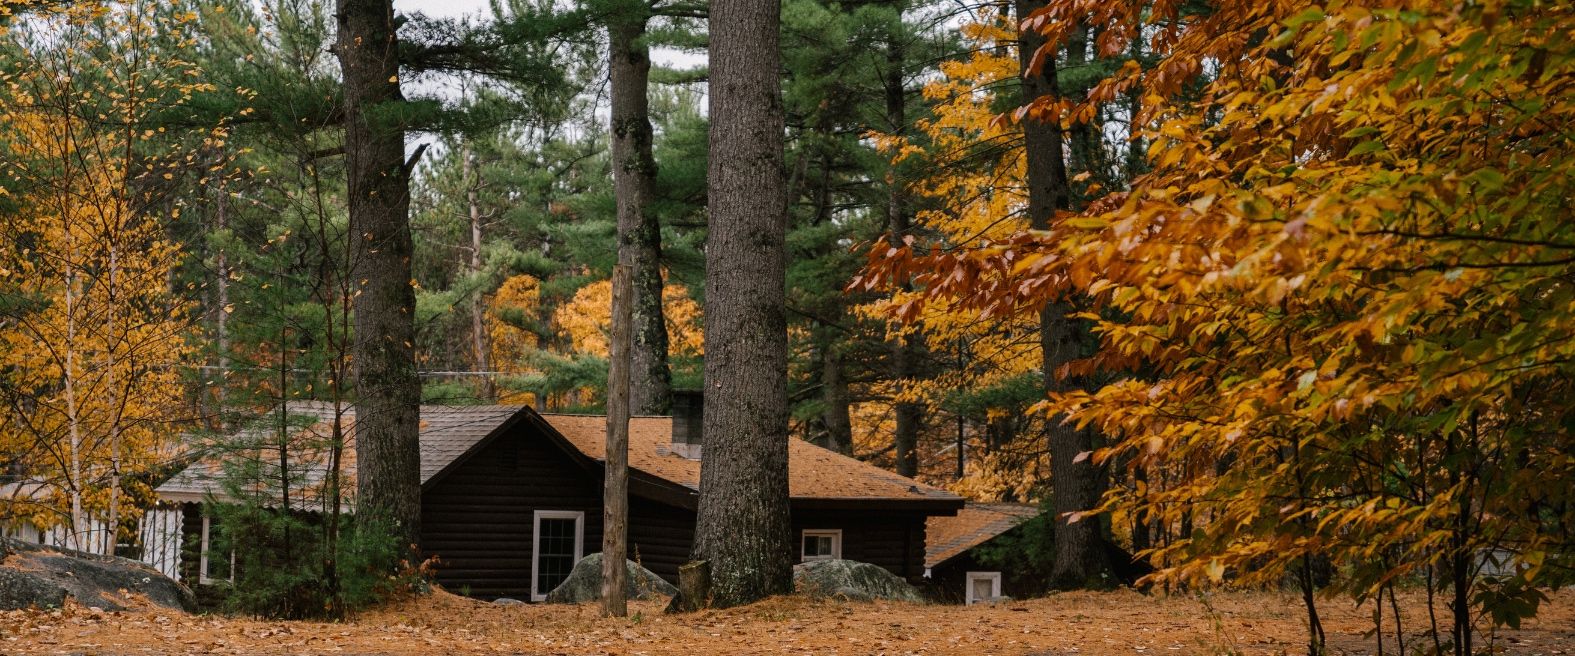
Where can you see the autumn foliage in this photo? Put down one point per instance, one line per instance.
(1341, 299)
(91, 334)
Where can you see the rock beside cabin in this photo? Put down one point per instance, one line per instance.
(36, 576)
(585, 583)
(851, 580)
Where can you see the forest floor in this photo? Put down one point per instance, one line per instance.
(1122, 622)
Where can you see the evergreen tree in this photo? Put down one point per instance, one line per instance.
(742, 527)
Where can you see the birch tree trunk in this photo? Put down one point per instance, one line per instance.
(73, 408)
(117, 400)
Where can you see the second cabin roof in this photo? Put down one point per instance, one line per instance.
(452, 434)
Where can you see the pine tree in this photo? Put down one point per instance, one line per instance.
(388, 393)
(742, 527)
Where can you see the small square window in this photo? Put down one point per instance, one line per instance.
(983, 586)
(821, 544)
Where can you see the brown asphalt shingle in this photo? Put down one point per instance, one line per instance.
(947, 537)
(813, 472)
(449, 432)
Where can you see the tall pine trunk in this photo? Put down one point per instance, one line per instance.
(835, 395)
(1076, 484)
(907, 352)
(221, 315)
(743, 529)
(388, 393)
(478, 326)
(639, 232)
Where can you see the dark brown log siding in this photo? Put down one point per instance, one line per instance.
(660, 536)
(948, 582)
(891, 540)
(478, 520)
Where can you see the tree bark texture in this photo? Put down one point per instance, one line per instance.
(1076, 484)
(907, 352)
(388, 392)
(615, 482)
(639, 232)
(837, 416)
(743, 528)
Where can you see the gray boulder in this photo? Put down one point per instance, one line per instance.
(851, 580)
(36, 576)
(585, 583)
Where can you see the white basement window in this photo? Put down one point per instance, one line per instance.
(559, 542)
(821, 544)
(983, 586)
(221, 569)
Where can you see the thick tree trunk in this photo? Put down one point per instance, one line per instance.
(743, 528)
(907, 352)
(639, 232)
(1076, 484)
(388, 392)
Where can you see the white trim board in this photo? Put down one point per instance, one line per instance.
(202, 563)
(535, 542)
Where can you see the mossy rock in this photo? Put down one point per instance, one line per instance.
(36, 576)
(585, 583)
(851, 580)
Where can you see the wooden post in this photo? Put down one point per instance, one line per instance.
(615, 490)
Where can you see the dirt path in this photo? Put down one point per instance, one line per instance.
(1111, 623)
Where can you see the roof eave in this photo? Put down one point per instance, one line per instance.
(932, 506)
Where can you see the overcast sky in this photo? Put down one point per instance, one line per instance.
(444, 8)
(483, 9)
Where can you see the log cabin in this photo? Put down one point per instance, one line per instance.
(511, 499)
(956, 565)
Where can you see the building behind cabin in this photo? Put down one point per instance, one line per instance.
(511, 499)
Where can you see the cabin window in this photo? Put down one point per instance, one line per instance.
(559, 541)
(821, 544)
(214, 567)
(983, 586)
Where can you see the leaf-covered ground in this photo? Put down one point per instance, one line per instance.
(1124, 623)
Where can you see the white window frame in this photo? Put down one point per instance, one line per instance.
(836, 543)
(995, 586)
(535, 543)
(202, 564)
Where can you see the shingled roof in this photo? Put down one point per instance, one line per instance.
(450, 433)
(977, 523)
(814, 474)
(447, 434)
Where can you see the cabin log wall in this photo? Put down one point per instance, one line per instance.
(478, 519)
